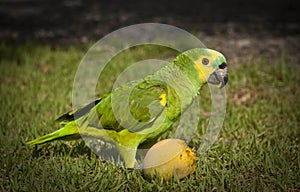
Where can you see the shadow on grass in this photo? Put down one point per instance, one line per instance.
(62, 149)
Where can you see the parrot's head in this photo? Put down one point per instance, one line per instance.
(205, 66)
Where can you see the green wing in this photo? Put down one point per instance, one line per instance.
(144, 103)
(133, 106)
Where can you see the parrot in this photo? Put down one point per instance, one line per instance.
(141, 110)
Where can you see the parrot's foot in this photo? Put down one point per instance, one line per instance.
(136, 166)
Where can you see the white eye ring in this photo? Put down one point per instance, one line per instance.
(205, 61)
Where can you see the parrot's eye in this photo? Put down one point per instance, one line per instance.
(205, 61)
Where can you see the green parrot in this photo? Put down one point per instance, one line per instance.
(141, 110)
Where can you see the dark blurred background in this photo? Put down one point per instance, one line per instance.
(245, 31)
(66, 22)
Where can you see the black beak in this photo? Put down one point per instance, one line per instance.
(220, 76)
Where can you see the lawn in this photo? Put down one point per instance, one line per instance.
(257, 148)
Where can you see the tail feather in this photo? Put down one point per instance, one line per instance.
(68, 132)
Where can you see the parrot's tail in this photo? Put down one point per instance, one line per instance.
(68, 132)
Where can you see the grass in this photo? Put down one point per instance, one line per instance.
(257, 149)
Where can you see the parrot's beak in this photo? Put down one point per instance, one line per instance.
(219, 77)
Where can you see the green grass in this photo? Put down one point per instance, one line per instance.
(257, 149)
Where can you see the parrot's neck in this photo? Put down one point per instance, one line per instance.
(186, 66)
(179, 83)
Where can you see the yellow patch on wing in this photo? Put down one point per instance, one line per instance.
(163, 99)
